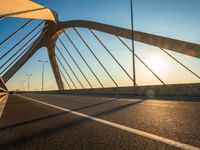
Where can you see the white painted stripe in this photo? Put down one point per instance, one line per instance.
(122, 127)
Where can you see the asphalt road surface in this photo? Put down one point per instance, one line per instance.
(47, 121)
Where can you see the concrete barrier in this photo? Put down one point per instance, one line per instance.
(149, 91)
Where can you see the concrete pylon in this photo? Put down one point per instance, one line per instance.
(54, 65)
(52, 57)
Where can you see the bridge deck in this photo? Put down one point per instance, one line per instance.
(27, 124)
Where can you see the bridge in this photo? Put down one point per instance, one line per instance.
(105, 97)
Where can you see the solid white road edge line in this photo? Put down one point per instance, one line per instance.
(122, 127)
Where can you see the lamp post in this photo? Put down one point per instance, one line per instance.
(42, 72)
(133, 46)
(23, 84)
(28, 76)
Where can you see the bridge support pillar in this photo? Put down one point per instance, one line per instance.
(54, 65)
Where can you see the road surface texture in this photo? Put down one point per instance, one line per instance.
(61, 122)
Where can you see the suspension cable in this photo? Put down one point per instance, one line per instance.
(30, 45)
(23, 46)
(21, 40)
(10, 36)
(66, 72)
(69, 66)
(95, 35)
(96, 57)
(141, 60)
(64, 78)
(84, 59)
(180, 63)
(1, 18)
(75, 62)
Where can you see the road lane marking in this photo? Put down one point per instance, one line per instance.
(122, 127)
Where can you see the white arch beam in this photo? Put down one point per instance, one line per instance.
(26, 9)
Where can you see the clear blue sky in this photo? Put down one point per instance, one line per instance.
(177, 19)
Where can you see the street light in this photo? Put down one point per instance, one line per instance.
(42, 72)
(28, 76)
(23, 84)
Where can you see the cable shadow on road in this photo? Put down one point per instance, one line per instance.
(49, 116)
(60, 127)
(31, 121)
(93, 105)
(118, 108)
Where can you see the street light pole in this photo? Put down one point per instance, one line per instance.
(28, 76)
(42, 72)
(133, 46)
(23, 84)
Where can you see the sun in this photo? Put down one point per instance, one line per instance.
(158, 65)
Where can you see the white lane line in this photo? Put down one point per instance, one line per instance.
(122, 127)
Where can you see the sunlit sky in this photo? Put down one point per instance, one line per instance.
(178, 19)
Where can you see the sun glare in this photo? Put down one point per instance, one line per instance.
(157, 64)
